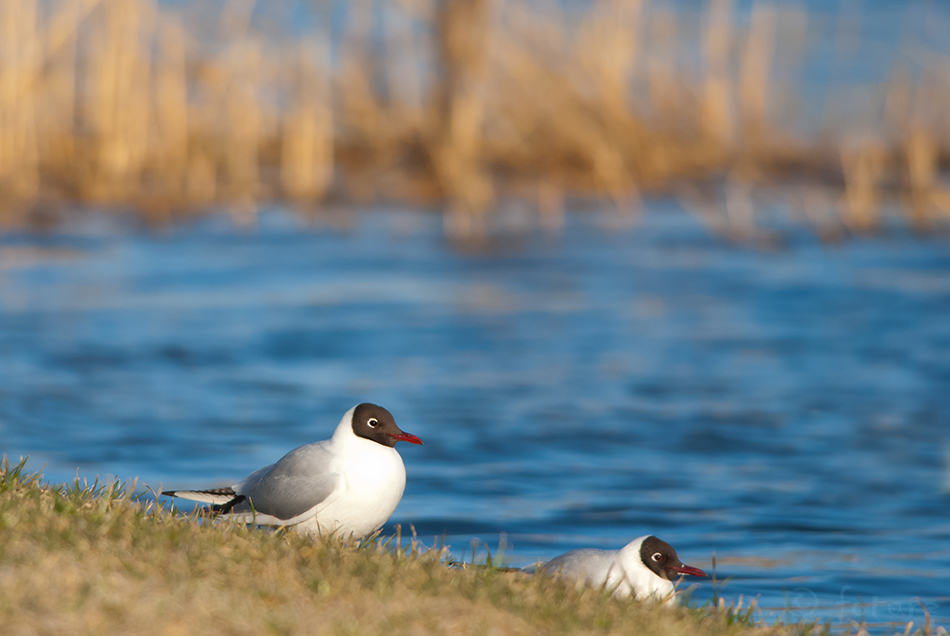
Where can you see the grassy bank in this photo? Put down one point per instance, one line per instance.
(177, 108)
(91, 561)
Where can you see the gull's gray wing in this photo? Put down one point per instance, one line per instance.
(588, 563)
(300, 480)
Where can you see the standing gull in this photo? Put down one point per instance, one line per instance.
(644, 568)
(348, 485)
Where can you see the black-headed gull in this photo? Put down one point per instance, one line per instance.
(348, 485)
(645, 568)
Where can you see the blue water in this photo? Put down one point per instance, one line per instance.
(785, 408)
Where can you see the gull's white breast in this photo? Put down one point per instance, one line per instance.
(373, 480)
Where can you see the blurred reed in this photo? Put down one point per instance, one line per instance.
(136, 104)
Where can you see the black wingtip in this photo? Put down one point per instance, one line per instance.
(219, 491)
(225, 508)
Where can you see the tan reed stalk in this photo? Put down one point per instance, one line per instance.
(464, 29)
(863, 169)
(755, 74)
(57, 97)
(307, 141)
(717, 110)
(116, 98)
(666, 98)
(170, 133)
(19, 45)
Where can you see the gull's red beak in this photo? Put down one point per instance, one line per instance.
(688, 569)
(412, 439)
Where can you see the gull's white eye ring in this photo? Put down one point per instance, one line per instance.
(373, 422)
(657, 557)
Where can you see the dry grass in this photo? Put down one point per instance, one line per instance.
(134, 104)
(92, 561)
